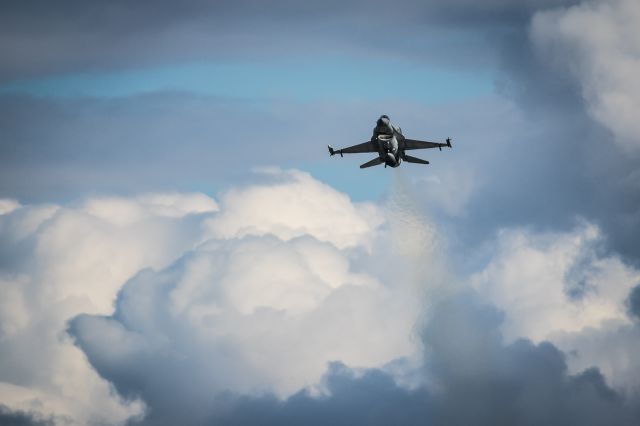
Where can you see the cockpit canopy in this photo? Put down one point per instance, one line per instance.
(383, 120)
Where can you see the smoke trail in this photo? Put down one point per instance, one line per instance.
(413, 235)
(414, 238)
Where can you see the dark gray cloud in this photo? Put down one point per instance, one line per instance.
(85, 36)
(634, 302)
(614, 348)
(556, 165)
(472, 376)
(372, 398)
(478, 380)
(575, 165)
(21, 418)
(37, 37)
(521, 383)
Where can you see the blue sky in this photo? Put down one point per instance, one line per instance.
(301, 79)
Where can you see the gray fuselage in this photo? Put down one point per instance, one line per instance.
(389, 140)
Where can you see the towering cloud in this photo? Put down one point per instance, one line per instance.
(549, 283)
(61, 261)
(242, 299)
(597, 43)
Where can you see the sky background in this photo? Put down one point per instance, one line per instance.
(177, 247)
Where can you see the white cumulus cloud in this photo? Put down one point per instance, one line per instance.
(555, 282)
(562, 287)
(61, 261)
(261, 295)
(295, 204)
(8, 205)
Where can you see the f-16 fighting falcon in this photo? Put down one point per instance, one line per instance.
(390, 144)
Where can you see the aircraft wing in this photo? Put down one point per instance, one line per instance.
(416, 144)
(362, 147)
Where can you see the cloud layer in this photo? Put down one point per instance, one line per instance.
(216, 321)
(597, 43)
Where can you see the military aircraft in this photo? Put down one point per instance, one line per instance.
(390, 144)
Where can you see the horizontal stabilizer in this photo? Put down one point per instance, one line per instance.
(410, 159)
(372, 163)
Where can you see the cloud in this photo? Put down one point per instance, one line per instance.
(290, 208)
(597, 43)
(498, 383)
(555, 282)
(19, 418)
(475, 379)
(223, 332)
(174, 308)
(60, 261)
(83, 36)
(123, 211)
(565, 288)
(294, 274)
(8, 205)
(200, 357)
(260, 308)
(550, 158)
(634, 302)
(247, 316)
(354, 397)
(254, 294)
(612, 348)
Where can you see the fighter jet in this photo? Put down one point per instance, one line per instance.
(390, 144)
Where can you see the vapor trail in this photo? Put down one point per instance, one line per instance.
(416, 241)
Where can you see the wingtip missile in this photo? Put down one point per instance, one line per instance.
(333, 151)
